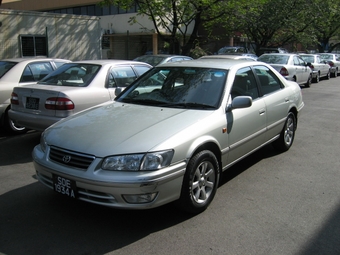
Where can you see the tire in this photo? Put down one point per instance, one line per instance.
(11, 128)
(285, 141)
(200, 182)
(328, 76)
(335, 74)
(309, 81)
(317, 78)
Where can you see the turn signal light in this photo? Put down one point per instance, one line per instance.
(14, 98)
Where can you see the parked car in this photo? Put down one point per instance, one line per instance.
(241, 56)
(290, 66)
(161, 58)
(170, 140)
(320, 68)
(71, 88)
(271, 50)
(334, 61)
(18, 72)
(232, 49)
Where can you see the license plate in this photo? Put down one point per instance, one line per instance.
(64, 186)
(32, 103)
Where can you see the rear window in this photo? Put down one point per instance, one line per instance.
(5, 66)
(72, 74)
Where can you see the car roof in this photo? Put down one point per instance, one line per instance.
(37, 59)
(110, 61)
(218, 63)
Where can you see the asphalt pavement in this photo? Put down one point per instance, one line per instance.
(269, 203)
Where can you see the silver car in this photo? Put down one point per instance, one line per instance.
(161, 58)
(320, 68)
(18, 72)
(72, 88)
(170, 135)
(334, 61)
(291, 66)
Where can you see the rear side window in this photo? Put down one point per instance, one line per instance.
(141, 69)
(36, 71)
(269, 82)
(121, 76)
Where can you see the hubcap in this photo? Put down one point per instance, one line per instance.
(203, 182)
(289, 131)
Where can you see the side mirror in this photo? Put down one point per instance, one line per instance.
(240, 102)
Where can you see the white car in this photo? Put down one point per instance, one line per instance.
(170, 135)
(71, 88)
(334, 61)
(18, 72)
(290, 66)
(320, 68)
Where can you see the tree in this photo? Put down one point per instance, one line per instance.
(175, 17)
(274, 23)
(327, 25)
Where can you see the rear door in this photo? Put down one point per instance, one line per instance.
(276, 98)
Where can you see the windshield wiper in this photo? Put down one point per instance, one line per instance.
(190, 105)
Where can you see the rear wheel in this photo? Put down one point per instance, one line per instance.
(328, 76)
(285, 141)
(200, 182)
(11, 128)
(309, 81)
(317, 78)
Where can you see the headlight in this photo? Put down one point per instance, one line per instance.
(136, 162)
(43, 143)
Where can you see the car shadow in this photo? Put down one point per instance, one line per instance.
(241, 166)
(17, 149)
(35, 220)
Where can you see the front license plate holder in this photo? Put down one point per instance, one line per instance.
(64, 186)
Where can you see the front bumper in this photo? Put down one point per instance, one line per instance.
(32, 121)
(110, 188)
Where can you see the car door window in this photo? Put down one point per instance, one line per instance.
(269, 82)
(245, 84)
(141, 69)
(121, 76)
(36, 71)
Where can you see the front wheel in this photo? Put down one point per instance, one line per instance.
(200, 182)
(285, 141)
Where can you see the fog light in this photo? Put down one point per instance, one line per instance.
(140, 198)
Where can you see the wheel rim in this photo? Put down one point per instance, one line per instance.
(203, 182)
(14, 127)
(289, 132)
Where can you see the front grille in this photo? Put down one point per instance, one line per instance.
(70, 158)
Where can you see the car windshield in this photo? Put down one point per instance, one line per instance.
(309, 59)
(72, 74)
(274, 59)
(178, 87)
(5, 66)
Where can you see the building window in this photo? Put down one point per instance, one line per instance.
(33, 45)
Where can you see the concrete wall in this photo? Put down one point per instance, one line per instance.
(72, 37)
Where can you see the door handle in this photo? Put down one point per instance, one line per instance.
(262, 111)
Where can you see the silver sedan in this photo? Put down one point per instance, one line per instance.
(170, 135)
(320, 68)
(72, 88)
(291, 66)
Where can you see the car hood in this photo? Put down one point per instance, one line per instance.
(116, 128)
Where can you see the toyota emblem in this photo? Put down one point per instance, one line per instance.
(66, 158)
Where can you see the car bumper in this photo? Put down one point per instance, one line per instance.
(113, 188)
(32, 121)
